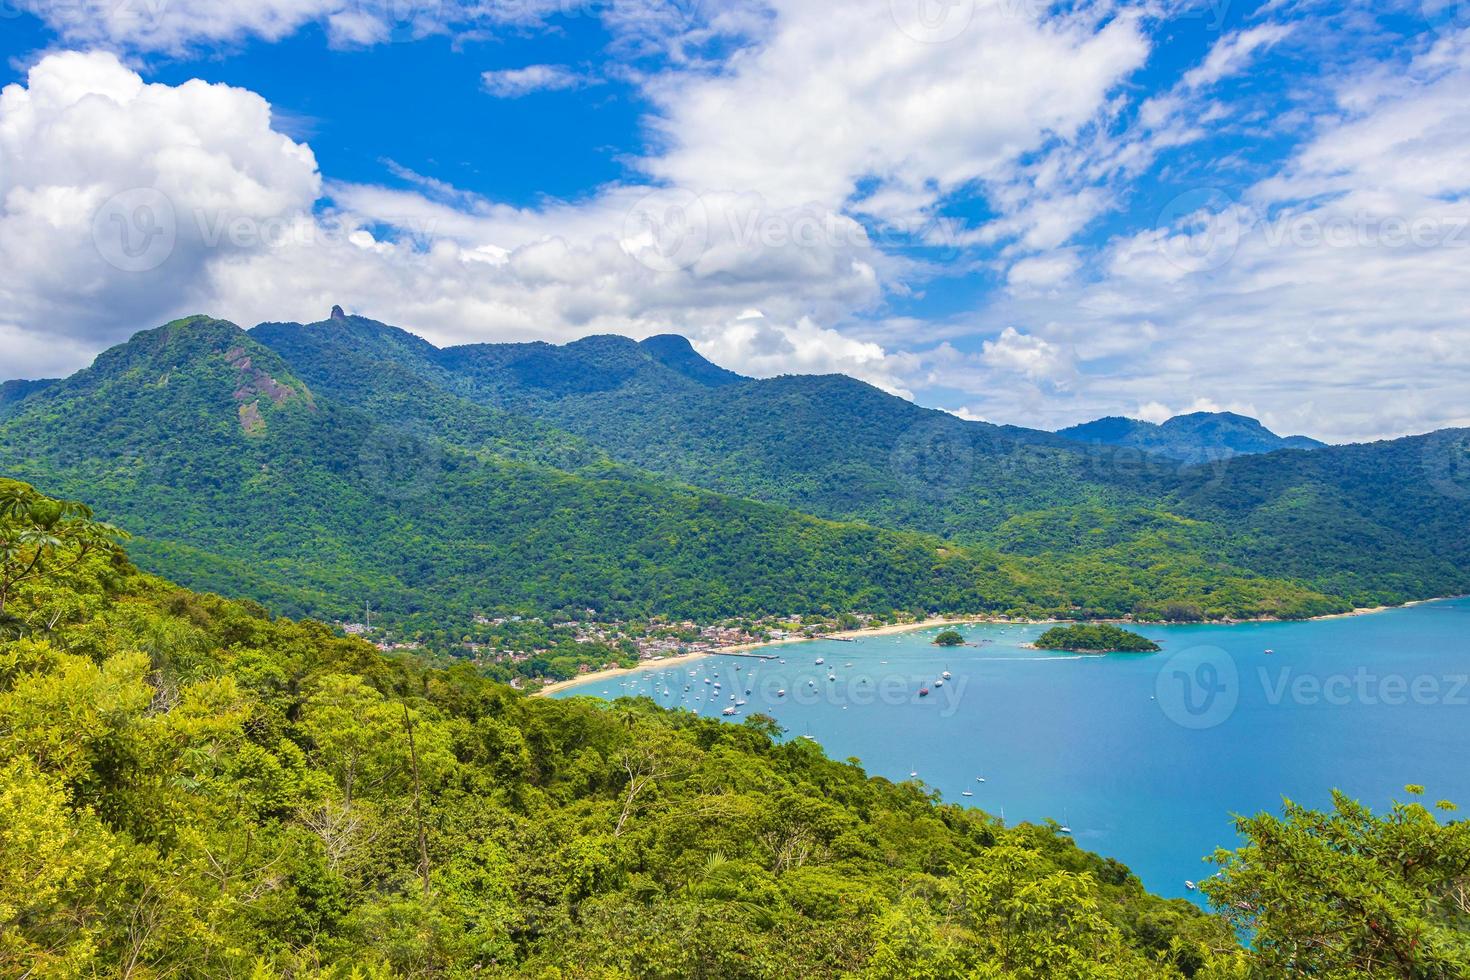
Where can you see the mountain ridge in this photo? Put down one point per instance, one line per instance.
(1196, 437)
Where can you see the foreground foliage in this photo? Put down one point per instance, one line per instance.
(190, 788)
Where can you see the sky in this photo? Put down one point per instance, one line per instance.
(1018, 211)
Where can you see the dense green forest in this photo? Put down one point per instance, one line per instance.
(238, 475)
(1095, 638)
(192, 788)
(1370, 524)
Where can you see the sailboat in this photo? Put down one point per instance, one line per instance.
(1064, 829)
(946, 675)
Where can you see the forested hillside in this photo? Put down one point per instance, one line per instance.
(242, 473)
(191, 788)
(1385, 522)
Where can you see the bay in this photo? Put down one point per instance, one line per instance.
(1143, 757)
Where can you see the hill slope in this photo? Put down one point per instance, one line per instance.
(1347, 520)
(254, 478)
(198, 790)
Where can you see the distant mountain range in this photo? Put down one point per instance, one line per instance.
(314, 466)
(1195, 438)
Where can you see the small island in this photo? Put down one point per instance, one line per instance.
(949, 638)
(1094, 638)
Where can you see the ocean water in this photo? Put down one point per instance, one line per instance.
(1144, 756)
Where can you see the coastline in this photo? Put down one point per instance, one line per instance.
(892, 628)
(683, 658)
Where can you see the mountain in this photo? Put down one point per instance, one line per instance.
(370, 471)
(826, 445)
(840, 449)
(1195, 438)
(318, 466)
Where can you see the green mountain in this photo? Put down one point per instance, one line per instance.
(318, 467)
(251, 481)
(826, 445)
(1344, 520)
(1199, 437)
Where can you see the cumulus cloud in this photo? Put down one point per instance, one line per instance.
(855, 110)
(119, 195)
(129, 203)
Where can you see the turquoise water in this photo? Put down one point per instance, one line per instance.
(1144, 756)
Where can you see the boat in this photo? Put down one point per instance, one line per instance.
(1064, 829)
(740, 704)
(923, 692)
(946, 675)
(728, 711)
(979, 779)
(820, 661)
(914, 774)
(831, 677)
(1269, 652)
(967, 793)
(781, 693)
(1190, 885)
(939, 683)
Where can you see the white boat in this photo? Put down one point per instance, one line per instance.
(1269, 652)
(781, 693)
(939, 683)
(1190, 885)
(728, 711)
(967, 793)
(946, 675)
(820, 661)
(914, 774)
(979, 779)
(1064, 829)
(739, 704)
(831, 677)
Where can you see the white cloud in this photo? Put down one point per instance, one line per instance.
(1042, 271)
(1232, 52)
(117, 196)
(1033, 357)
(850, 108)
(512, 83)
(1329, 298)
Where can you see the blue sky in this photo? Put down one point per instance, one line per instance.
(1025, 212)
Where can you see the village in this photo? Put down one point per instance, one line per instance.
(522, 649)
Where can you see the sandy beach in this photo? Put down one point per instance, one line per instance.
(666, 662)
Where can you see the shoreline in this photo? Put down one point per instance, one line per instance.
(892, 628)
(683, 658)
